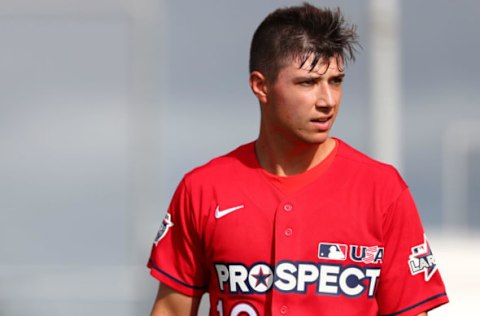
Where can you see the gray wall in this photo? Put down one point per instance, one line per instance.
(106, 104)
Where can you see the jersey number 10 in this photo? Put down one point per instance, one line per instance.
(238, 309)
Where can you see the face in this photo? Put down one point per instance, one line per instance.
(302, 104)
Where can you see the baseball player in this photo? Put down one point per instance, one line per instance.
(296, 222)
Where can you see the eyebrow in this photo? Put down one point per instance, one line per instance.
(340, 75)
(315, 76)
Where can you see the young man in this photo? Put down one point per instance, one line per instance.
(297, 222)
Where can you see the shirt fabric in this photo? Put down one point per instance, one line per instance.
(343, 238)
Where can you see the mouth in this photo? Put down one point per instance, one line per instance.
(321, 119)
(322, 123)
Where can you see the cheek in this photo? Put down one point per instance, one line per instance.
(286, 106)
(291, 110)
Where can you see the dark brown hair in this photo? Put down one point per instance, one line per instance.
(298, 32)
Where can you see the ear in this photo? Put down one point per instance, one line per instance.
(259, 86)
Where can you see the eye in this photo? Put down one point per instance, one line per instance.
(308, 82)
(336, 81)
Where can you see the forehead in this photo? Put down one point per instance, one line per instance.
(333, 65)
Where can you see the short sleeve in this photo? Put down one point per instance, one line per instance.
(410, 282)
(177, 257)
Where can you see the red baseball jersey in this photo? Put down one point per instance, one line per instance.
(343, 238)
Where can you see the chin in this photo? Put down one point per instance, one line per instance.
(321, 138)
(318, 140)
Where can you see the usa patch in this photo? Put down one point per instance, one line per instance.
(166, 224)
(422, 260)
(332, 251)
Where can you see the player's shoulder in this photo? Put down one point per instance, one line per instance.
(351, 158)
(224, 166)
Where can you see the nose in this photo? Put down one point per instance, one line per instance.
(325, 95)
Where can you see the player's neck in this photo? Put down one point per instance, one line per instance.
(286, 159)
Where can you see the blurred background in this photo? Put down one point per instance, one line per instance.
(105, 104)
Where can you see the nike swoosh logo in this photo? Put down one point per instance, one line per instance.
(221, 213)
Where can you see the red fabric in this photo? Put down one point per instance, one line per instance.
(291, 184)
(274, 253)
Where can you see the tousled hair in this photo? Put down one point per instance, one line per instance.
(296, 33)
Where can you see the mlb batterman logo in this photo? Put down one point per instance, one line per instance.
(332, 251)
(422, 260)
(166, 224)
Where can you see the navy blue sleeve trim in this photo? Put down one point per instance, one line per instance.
(418, 304)
(175, 279)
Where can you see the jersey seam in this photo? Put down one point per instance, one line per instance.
(418, 304)
(388, 213)
(194, 217)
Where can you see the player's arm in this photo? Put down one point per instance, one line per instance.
(423, 314)
(172, 303)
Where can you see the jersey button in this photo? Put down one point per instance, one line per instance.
(288, 207)
(284, 310)
(288, 232)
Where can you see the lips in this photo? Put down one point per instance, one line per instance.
(322, 123)
(321, 120)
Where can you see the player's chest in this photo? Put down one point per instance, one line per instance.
(270, 228)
